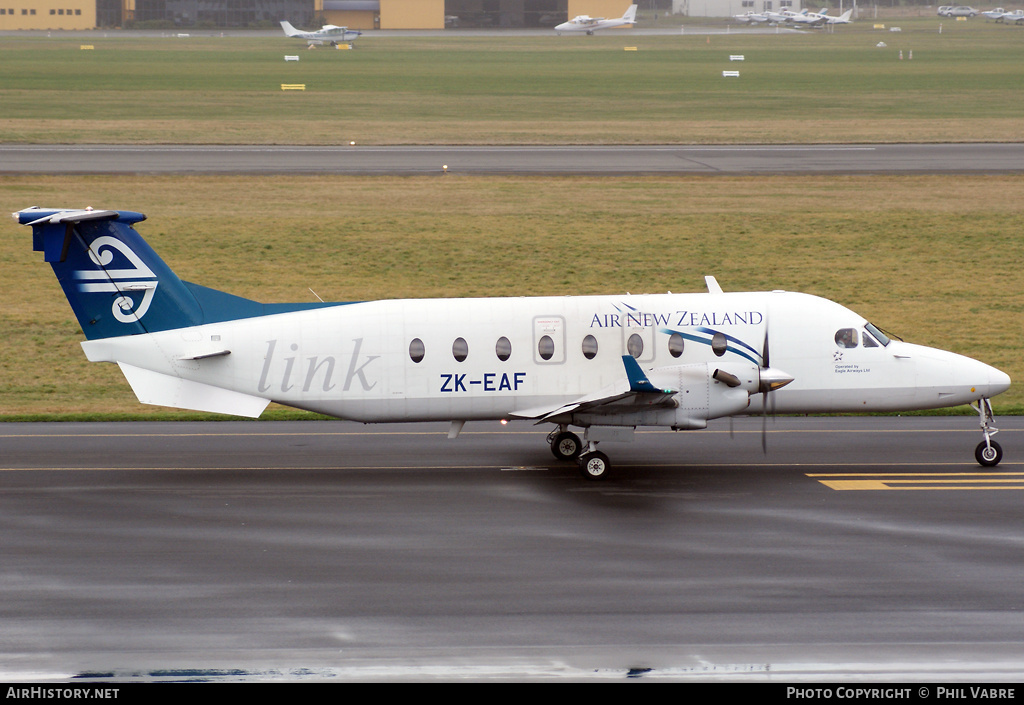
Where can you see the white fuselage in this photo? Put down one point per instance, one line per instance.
(751, 16)
(490, 358)
(329, 34)
(591, 24)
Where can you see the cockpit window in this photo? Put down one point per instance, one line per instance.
(879, 335)
(846, 338)
(867, 340)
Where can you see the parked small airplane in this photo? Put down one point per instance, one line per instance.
(585, 23)
(807, 18)
(783, 17)
(841, 19)
(751, 17)
(606, 364)
(996, 14)
(329, 34)
(819, 19)
(1015, 16)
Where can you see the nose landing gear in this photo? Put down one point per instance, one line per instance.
(988, 452)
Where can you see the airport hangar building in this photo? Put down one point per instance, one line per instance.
(305, 14)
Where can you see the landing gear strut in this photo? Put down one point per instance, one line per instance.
(988, 452)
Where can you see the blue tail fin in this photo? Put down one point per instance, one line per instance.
(115, 282)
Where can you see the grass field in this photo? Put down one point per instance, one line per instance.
(963, 84)
(936, 260)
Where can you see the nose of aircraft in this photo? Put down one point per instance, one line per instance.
(951, 379)
(981, 379)
(998, 382)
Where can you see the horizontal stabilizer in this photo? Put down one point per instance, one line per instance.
(205, 355)
(57, 215)
(164, 390)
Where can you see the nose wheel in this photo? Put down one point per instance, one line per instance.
(988, 452)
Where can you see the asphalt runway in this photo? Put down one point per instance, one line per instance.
(976, 158)
(856, 548)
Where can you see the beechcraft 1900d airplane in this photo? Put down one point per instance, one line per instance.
(585, 23)
(328, 34)
(606, 364)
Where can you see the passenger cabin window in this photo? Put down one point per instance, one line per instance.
(503, 348)
(635, 345)
(846, 338)
(546, 347)
(590, 347)
(719, 344)
(416, 350)
(675, 345)
(460, 349)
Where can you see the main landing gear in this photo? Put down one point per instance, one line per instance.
(566, 445)
(988, 452)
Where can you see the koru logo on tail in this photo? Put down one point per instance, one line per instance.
(129, 282)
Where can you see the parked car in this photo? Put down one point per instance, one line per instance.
(962, 11)
(943, 9)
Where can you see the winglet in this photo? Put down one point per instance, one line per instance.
(638, 381)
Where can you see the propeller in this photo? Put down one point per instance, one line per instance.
(765, 388)
(768, 381)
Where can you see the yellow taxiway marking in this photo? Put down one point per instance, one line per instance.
(922, 481)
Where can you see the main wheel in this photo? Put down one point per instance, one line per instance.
(566, 446)
(595, 465)
(988, 454)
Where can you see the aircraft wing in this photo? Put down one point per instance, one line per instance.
(636, 391)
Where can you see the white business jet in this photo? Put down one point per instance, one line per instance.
(605, 364)
(329, 34)
(585, 23)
